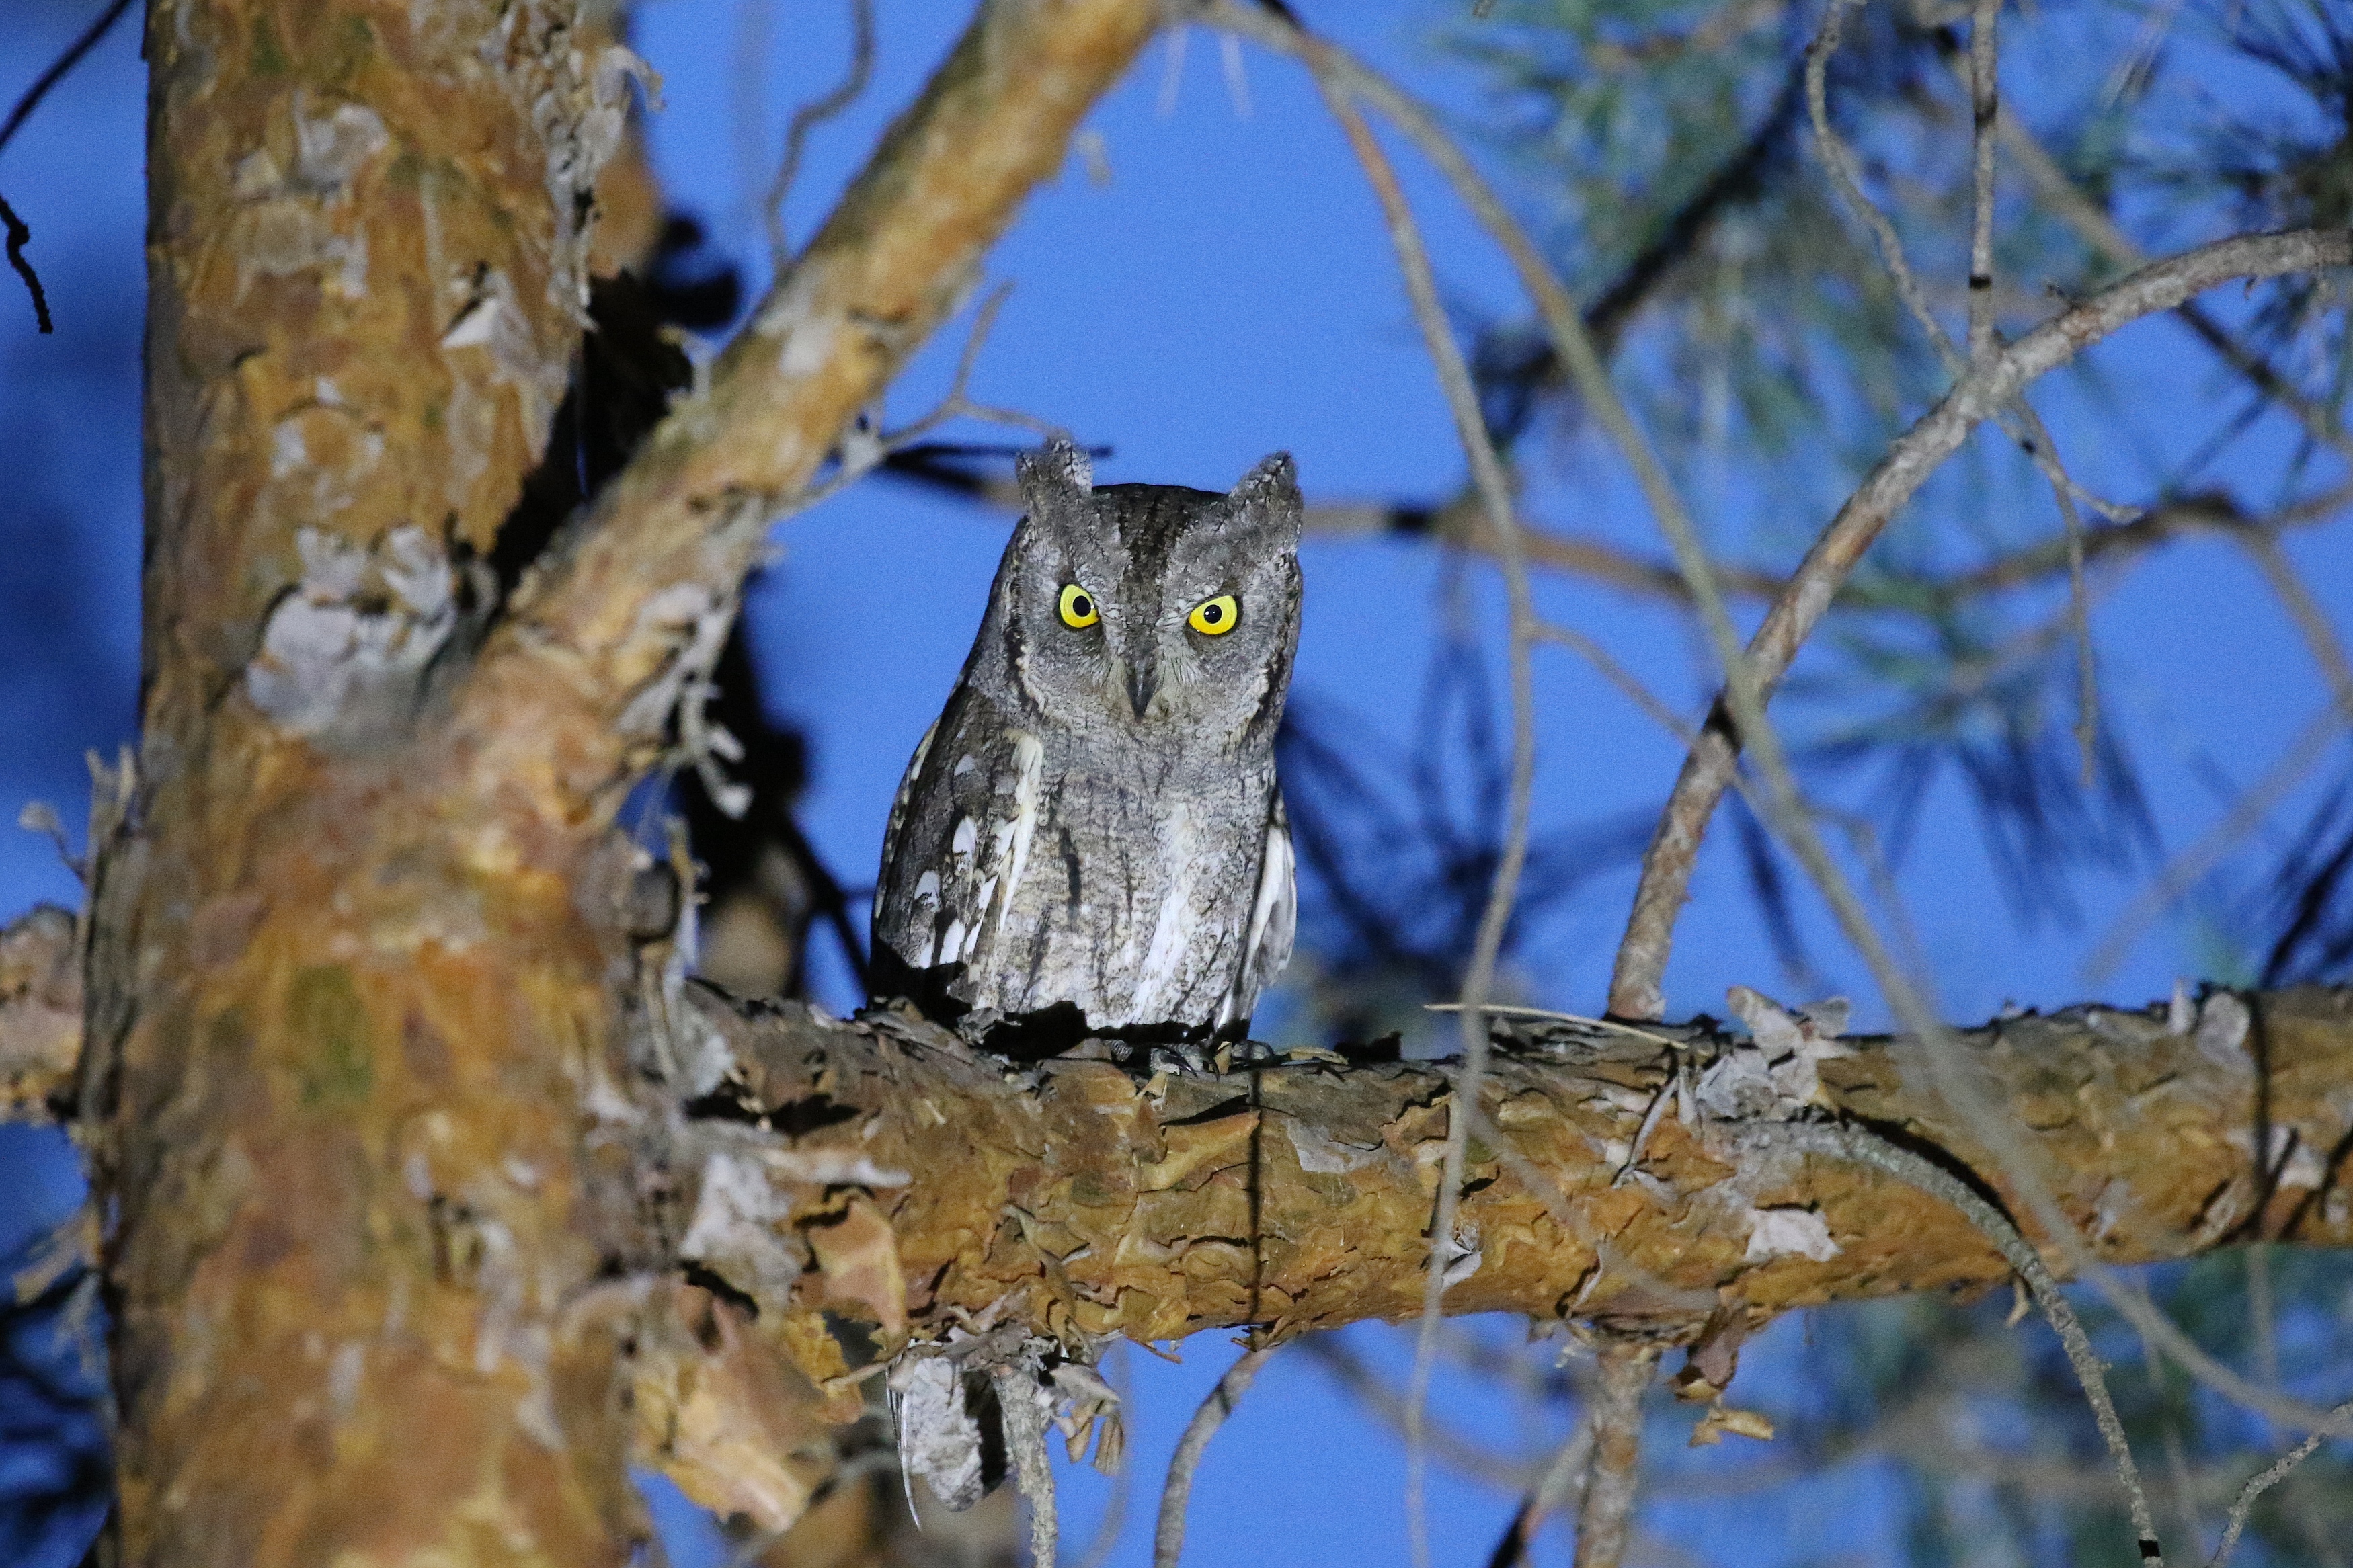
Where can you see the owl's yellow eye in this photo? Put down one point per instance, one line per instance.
(1215, 617)
(1079, 608)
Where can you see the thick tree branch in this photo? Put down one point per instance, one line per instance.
(1105, 1205)
(1707, 769)
(572, 692)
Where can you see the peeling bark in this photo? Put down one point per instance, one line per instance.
(1298, 1195)
(40, 1014)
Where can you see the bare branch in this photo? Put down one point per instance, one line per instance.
(1985, 106)
(1917, 453)
(1604, 1515)
(808, 117)
(1168, 1537)
(2019, 421)
(2262, 1482)
(1868, 1148)
(2186, 869)
(1494, 489)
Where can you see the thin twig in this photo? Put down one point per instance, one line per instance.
(2262, 1482)
(861, 454)
(57, 70)
(2020, 420)
(1543, 1499)
(1168, 1539)
(2320, 637)
(2093, 225)
(1863, 1148)
(1487, 469)
(1985, 106)
(808, 117)
(2186, 869)
(1605, 1514)
(1503, 1010)
(18, 234)
(1618, 675)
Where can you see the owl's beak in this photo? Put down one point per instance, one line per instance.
(1143, 686)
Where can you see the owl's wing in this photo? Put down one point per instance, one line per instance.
(895, 831)
(1274, 920)
(977, 852)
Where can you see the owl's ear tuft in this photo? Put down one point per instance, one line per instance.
(1061, 473)
(1272, 485)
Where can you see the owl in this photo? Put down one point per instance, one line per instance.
(1089, 838)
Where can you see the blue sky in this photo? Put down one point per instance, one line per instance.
(1227, 291)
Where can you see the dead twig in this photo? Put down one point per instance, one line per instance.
(1487, 469)
(2262, 1482)
(1168, 1537)
(2185, 870)
(2020, 420)
(808, 117)
(1545, 1500)
(1708, 771)
(1605, 1514)
(1863, 1148)
(18, 234)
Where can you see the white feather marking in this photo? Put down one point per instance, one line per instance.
(1157, 976)
(967, 830)
(952, 943)
(1029, 757)
(923, 954)
(927, 889)
(1274, 917)
(963, 766)
(987, 893)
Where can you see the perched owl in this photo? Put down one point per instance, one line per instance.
(1091, 835)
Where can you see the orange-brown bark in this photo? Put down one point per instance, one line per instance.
(339, 1069)
(40, 1014)
(1298, 1195)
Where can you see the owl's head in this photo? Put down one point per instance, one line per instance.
(1153, 609)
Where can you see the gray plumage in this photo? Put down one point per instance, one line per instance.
(1094, 819)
